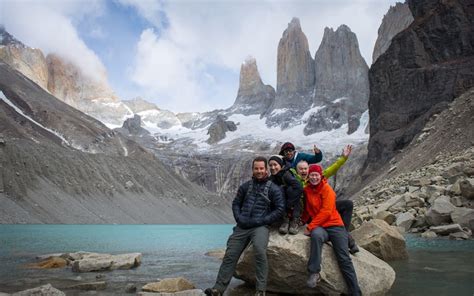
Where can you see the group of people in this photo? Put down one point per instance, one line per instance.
(294, 194)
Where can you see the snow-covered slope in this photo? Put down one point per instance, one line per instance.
(252, 128)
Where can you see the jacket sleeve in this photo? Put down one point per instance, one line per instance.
(238, 200)
(278, 204)
(333, 168)
(327, 208)
(311, 158)
(293, 189)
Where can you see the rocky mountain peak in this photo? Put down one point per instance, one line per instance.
(295, 66)
(253, 96)
(27, 60)
(425, 67)
(139, 104)
(7, 39)
(249, 77)
(342, 84)
(397, 19)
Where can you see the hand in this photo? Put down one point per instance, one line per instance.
(347, 151)
(307, 232)
(316, 150)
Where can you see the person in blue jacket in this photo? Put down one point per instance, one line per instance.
(293, 157)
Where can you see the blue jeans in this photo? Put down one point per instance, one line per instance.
(339, 239)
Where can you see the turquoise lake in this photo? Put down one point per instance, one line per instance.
(435, 267)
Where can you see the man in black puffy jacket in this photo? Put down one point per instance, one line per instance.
(259, 203)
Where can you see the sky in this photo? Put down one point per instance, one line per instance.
(182, 55)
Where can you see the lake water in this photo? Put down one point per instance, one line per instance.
(435, 267)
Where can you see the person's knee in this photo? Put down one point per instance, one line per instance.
(318, 235)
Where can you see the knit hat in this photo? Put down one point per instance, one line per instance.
(278, 159)
(286, 146)
(315, 168)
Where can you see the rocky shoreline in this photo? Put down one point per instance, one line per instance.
(435, 200)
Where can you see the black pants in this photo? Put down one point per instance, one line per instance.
(345, 208)
(339, 239)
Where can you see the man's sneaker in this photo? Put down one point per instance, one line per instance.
(212, 292)
(353, 248)
(260, 293)
(294, 227)
(313, 280)
(284, 226)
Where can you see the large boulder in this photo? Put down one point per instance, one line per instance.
(440, 212)
(381, 239)
(287, 273)
(446, 229)
(86, 262)
(467, 188)
(464, 217)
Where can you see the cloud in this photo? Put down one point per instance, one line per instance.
(197, 39)
(49, 25)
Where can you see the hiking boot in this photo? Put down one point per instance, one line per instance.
(294, 227)
(353, 248)
(260, 293)
(313, 280)
(284, 226)
(212, 292)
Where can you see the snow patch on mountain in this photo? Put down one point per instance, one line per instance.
(253, 128)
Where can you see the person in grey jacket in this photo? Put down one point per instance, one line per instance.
(258, 203)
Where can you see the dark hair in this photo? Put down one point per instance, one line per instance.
(258, 159)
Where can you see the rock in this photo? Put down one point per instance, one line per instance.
(98, 262)
(446, 229)
(381, 239)
(456, 201)
(52, 262)
(295, 67)
(386, 216)
(429, 234)
(405, 220)
(463, 217)
(170, 285)
(401, 100)
(130, 288)
(129, 184)
(253, 96)
(193, 292)
(288, 258)
(217, 130)
(389, 203)
(92, 286)
(397, 19)
(440, 212)
(420, 182)
(452, 170)
(219, 254)
(133, 126)
(467, 188)
(459, 236)
(343, 82)
(45, 290)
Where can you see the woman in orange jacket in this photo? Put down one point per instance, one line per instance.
(325, 224)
